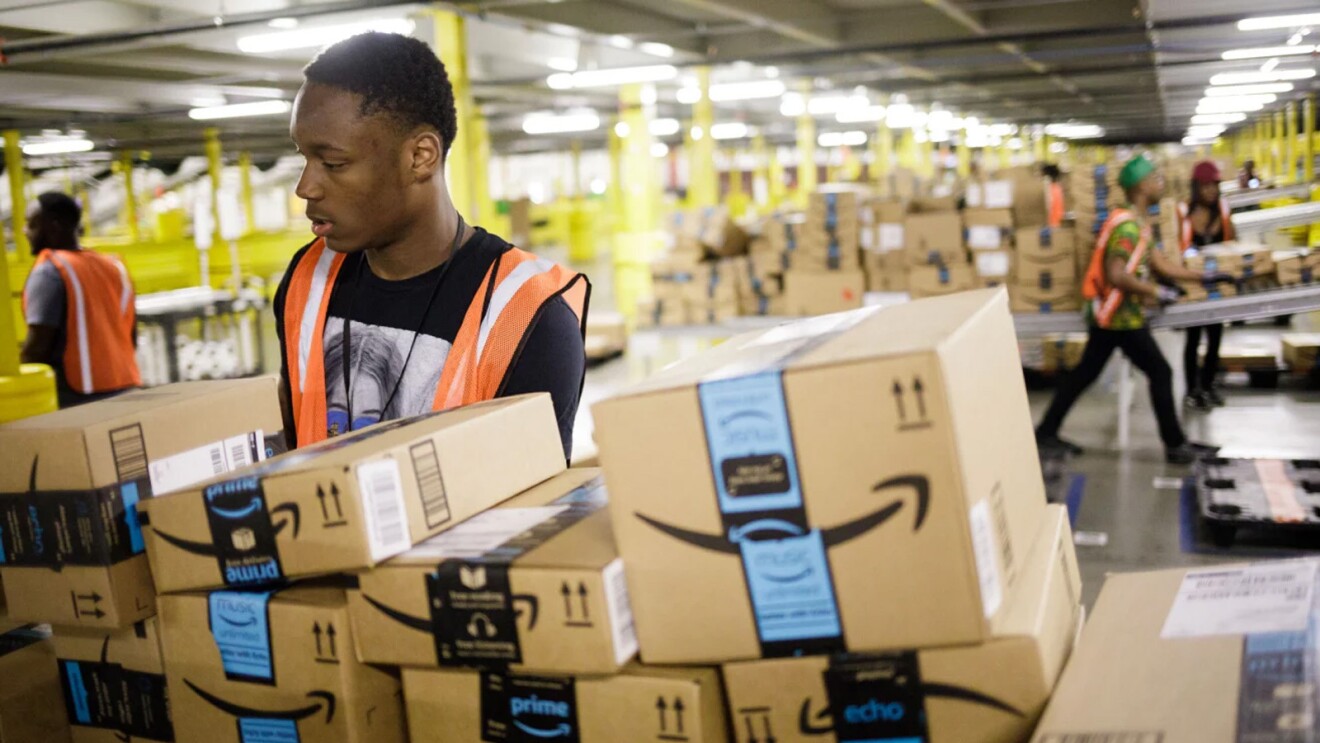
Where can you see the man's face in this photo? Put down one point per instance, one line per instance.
(1153, 186)
(356, 179)
(36, 230)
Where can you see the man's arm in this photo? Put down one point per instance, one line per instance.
(1118, 252)
(39, 348)
(553, 360)
(1170, 270)
(44, 309)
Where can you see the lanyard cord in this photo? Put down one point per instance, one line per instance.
(346, 342)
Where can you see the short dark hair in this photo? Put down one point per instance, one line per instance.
(61, 208)
(396, 75)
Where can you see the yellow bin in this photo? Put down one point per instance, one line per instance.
(30, 393)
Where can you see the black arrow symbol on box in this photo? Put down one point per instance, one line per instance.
(320, 497)
(661, 706)
(334, 493)
(316, 631)
(920, 390)
(96, 613)
(93, 597)
(567, 593)
(898, 400)
(330, 632)
(582, 594)
(678, 713)
(769, 731)
(751, 731)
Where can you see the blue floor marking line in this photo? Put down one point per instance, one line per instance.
(1076, 490)
(1187, 517)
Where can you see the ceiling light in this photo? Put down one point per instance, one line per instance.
(551, 123)
(695, 134)
(1234, 104)
(1015, 144)
(1268, 51)
(304, 38)
(659, 149)
(793, 105)
(236, 110)
(1075, 131)
(664, 127)
(1265, 76)
(730, 130)
(618, 76)
(622, 130)
(283, 23)
(620, 42)
(1224, 118)
(772, 71)
(563, 64)
(1265, 23)
(747, 91)
(842, 139)
(861, 115)
(1270, 64)
(61, 146)
(904, 116)
(1255, 89)
(1190, 141)
(688, 96)
(649, 95)
(656, 49)
(831, 105)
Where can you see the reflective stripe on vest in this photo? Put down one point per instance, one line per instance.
(99, 320)
(1185, 224)
(1095, 287)
(510, 298)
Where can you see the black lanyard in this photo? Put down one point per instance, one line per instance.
(346, 343)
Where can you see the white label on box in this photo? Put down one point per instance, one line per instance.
(891, 237)
(1265, 597)
(867, 237)
(621, 617)
(974, 197)
(382, 508)
(485, 532)
(984, 549)
(998, 195)
(984, 237)
(992, 265)
(195, 465)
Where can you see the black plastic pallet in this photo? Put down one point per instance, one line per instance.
(1231, 496)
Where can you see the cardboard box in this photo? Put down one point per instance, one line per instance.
(933, 238)
(1246, 356)
(993, 264)
(733, 488)
(1061, 298)
(1293, 267)
(1206, 655)
(1029, 198)
(607, 335)
(264, 666)
(352, 501)
(1062, 351)
(822, 292)
(934, 204)
(820, 251)
(1034, 271)
(520, 222)
(984, 693)
(991, 194)
(31, 701)
(1195, 291)
(656, 313)
(114, 684)
(1045, 242)
(1300, 350)
(69, 481)
(767, 306)
(685, 705)
(712, 312)
(535, 584)
(934, 281)
(888, 211)
(1238, 259)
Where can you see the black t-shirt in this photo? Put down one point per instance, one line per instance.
(385, 316)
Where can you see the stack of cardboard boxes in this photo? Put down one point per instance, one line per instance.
(1300, 351)
(936, 256)
(786, 551)
(1296, 267)
(1238, 260)
(824, 273)
(884, 248)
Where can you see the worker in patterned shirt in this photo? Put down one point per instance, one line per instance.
(1118, 285)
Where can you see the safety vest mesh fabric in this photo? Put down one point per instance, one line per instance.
(1056, 206)
(1105, 299)
(511, 297)
(1185, 236)
(98, 321)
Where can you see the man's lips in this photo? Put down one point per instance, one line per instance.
(321, 227)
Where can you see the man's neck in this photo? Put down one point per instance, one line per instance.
(428, 244)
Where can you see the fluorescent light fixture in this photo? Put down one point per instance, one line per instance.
(1270, 64)
(730, 130)
(688, 96)
(793, 105)
(1265, 23)
(747, 91)
(1190, 141)
(695, 133)
(649, 95)
(236, 110)
(1234, 104)
(1267, 76)
(620, 42)
(656, 49)
(659, 149)
(772, 71)
(1268, 51)
(622, 130)
(552, 123)
(563, 64)
(61, 146)
(1221, 118)
(618, 76)
(283, 23)
(664, 127)
(304, 38)
(841, 139)
(1015, 144)
(861, 115)
(1075, 131)
(904, 116)
(1255, 89)
(830, 105)
(1206, 130)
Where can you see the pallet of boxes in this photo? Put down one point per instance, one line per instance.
(700, 278)
(884, 249)
(1045, 260)
(929, 594)
(824, 273)
(936, 254)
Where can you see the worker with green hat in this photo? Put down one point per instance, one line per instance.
(1117, 286)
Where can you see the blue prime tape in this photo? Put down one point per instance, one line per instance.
(263, 730)
(240, 625)
(129, 492)
(82, 711)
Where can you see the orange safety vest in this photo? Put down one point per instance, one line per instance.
(98, 321)
(1105, 299)
(1056, 205)
(510, 298)
(1185, 225)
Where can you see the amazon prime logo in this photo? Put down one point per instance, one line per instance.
(521, 709)
(543, 718)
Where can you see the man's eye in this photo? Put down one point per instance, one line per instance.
(333, 166)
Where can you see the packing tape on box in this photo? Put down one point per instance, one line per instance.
(240, 627)
(473, 609)
(525, 708)
(103, 694)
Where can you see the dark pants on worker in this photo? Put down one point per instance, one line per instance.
(1139, 346)
(1191, 357)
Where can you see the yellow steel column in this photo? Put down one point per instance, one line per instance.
(125, 166)
(14, 167)
(1259, 140)
(1308, 139)
(1276, 148)
(907, 150)
(806, 152)
(478, 151)
(964, 168)
(1038, 150)
(776, 188)
(1005, 155)
(760, 175)
(448, 36)
(637, 166)
(703, 182)
(8, 334)
(575, 152)
(245, 191)
(614, 193)
(1290, 142)
(883, 152)
(737, 198)
(214, 165)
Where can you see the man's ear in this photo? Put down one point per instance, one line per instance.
(427, 155)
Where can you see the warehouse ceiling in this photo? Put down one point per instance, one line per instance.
(128, 71)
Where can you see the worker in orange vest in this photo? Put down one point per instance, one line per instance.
(1117, 285)
(1206, 220)
(78, 306)
(1055, 195)
(398, 306)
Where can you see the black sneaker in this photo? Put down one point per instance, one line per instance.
(1197, 400)
(1189, 452)
(1204, 450)
(1214, 398)
(1054, 443)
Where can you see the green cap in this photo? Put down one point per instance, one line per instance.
(1135, 171)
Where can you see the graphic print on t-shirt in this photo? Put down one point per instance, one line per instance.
(377, 359)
